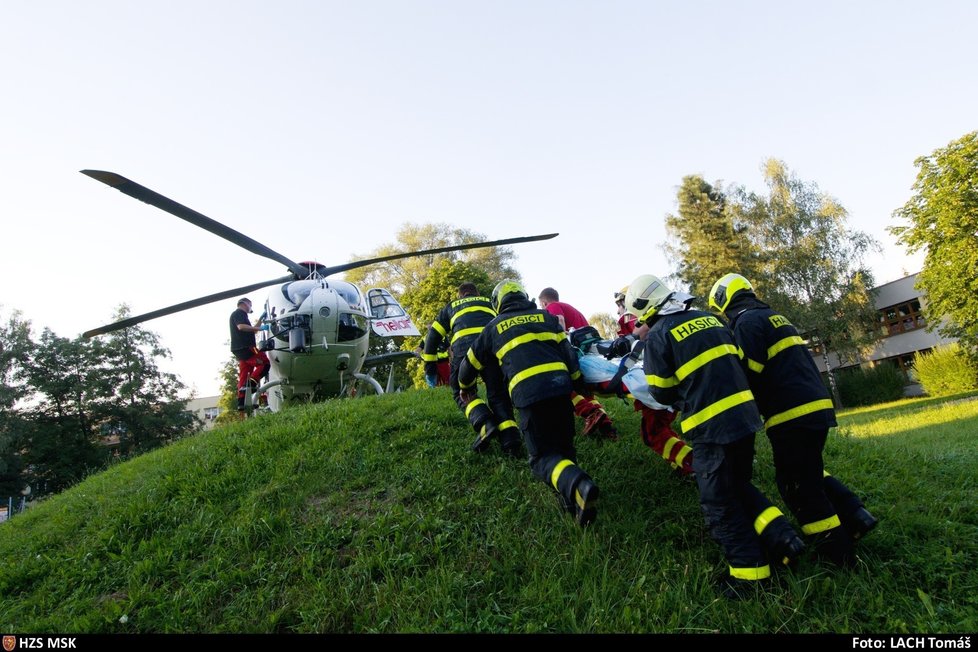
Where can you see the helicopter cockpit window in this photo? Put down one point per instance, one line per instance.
(348, 291)
(383, 305)
(351, 327)
(299, 291)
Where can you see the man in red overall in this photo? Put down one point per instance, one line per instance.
(252, 363)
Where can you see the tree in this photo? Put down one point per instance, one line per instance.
(792, 243)
(942, 217)
(708, 237)
(400, 276)
(145, 408)
(605, 323)
(812, 264)
(228, 403)
(432, 293)
(68, 390)
(15, 355)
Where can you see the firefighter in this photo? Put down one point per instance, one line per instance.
(460, 323)
(799, 412)
(656, 427)
(590, 410)
(531, 354)
(691, 364)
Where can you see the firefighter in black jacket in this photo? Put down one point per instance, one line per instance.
(535, 360)
(798, 413)
(460, 323)
(691, 363)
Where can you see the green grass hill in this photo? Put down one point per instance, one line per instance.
(371, 515)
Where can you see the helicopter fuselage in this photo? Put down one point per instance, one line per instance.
(317, 341)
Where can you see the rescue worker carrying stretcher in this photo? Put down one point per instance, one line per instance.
(692, 364)
(461, 322)
(656, 428)
(798, 413)
(530, 352)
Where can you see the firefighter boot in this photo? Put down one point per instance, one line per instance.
(481, 443)
(585, 501)
(733, 588)
(860, 523)
(510, 440)
(781, 542)
(835, 546)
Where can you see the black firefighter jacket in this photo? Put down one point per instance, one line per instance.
(785, 381)
(692, 363)
(532, 351)
(458, 323)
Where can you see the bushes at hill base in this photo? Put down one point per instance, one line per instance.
(946, 370)
(870, 386)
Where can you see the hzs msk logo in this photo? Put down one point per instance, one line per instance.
(9, 643)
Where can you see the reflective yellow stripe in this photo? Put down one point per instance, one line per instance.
(429, 357)
(576, 375)
(826, 474)
(529, 337)
(755, 366)
(533, 371)
(711, 411)
(472, 405)
(760, 573)
(438, 327)
(474, 361)
(682, 455)
(703, 358)
(659, 381)
(780, 346)
(823, 525)
(670, 443)
(471, 309)
(466, 332)
(800, 411)
(766, 517)
(555, 474)
(576, 398)
(466, 386)
(508, 423)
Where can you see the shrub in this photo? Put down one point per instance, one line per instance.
(879, 384)
(945, 370)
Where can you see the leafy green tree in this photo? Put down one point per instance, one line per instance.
(145, 407)
(401, 276)
(812, 265)
(942, 220)
(15, 355)
(791, 242)
(68, 391)
(431, 294)
(605, 323)
(228, 403)
(708, 237)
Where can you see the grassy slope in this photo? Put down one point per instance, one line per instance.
(371, 515)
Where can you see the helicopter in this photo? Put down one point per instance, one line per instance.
(319, 328)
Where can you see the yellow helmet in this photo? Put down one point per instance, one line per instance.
(724, 290)
(645, 296)
(504, 289)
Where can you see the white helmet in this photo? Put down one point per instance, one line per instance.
(645, 296)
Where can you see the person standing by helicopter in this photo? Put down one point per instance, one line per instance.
(252, 363)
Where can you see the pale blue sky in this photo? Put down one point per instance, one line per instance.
(319, 127)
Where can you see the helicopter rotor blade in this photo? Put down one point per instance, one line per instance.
(186, 305)
(408, 254)
(153, 198)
